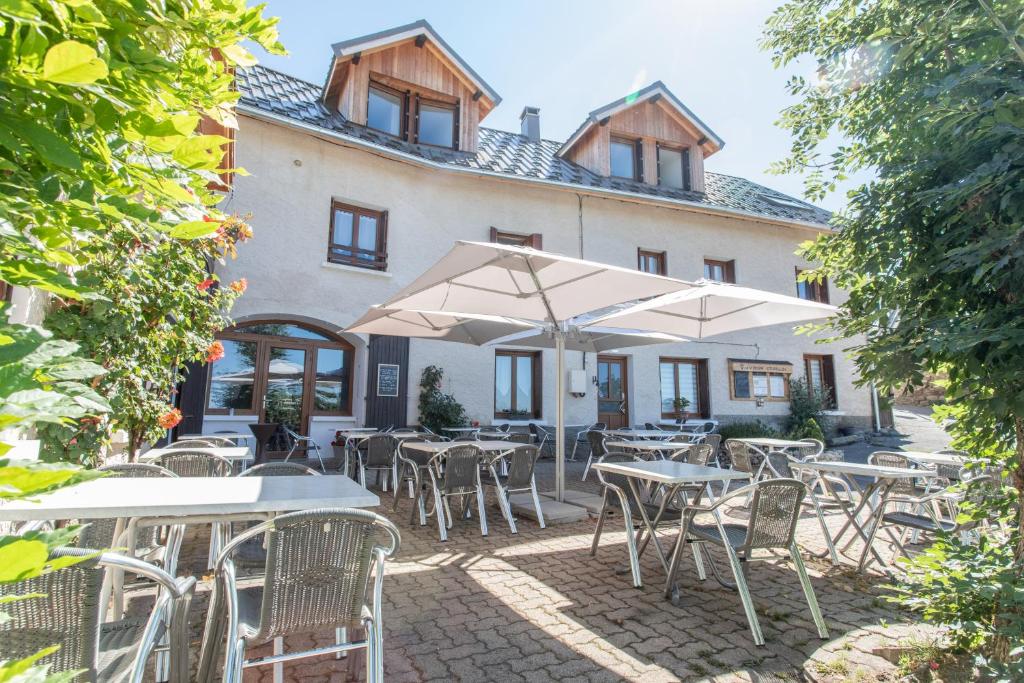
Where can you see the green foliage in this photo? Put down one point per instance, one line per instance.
(740, 430)
(929, 97)
(805, 404)
(438, 409)
(810, 429)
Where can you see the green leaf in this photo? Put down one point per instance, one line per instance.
(21, 559)
(238, 55)
(73, 63)
(190, 230)
(201, 151)
(50, 146)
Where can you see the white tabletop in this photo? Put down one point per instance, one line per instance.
(461, 429)
(638, 433)
(650, 445)
(190, 496)
(775, 443)
(670, 472)
(228, 452)
(934, 458)
(494, 435)
(232, 436)
(439, 446)
(866, 470)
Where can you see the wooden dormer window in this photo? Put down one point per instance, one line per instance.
(625, 158)
(413, 115)
(674, 167)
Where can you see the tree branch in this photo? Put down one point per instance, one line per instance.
(1010, 37)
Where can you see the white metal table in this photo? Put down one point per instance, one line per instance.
(885, 478)
(637, 433)
(488, 446)
(775, 444)
(650, 446)
(672, 475)
(927, 458)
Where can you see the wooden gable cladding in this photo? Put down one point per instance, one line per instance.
(592, 151)
(404, 66)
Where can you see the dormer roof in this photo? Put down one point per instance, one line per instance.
(420, 31)
(656, 93)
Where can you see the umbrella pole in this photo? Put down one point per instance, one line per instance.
(560, 416)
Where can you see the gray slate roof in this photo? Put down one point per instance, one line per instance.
(507, 153)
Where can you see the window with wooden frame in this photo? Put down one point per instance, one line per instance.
(517, 385)
(358, 236)
(626, 158)
(719, 271)
(821, 376)
(517, 239)
(757, 380)
(684, 378)
(268, 359)
(649, 261)
(816, 290)
(674, 167)
(412, 114)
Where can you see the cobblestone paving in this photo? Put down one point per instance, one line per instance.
(536, 606)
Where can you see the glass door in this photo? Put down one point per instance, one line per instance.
(612, 392)
(284, 396)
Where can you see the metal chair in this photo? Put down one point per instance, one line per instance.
(581, 437)
(901, 487)
(520, 479)
(545, 439)
(305, 443)
(596, 438)
(379, 457)
(715, 441)
(186, 463)
(412, 466)
(99, 533)
(774, 512)
(615, 496)
(455, 473)
(324, 569)
(67, 613)
(279, 469)
(745, 458)
(192, 443)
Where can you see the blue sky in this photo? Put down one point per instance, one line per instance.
(569, 58)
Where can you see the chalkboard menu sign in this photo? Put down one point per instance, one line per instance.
(387, 379)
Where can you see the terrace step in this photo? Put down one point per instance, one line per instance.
(554, 512)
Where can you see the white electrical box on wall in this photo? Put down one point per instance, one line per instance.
(578, 382)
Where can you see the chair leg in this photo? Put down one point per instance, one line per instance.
(600, 525)
(371, 652)
(440, 504)
(506, 506)
(233, 660)
(745, 597)
(634, 558)
(805, 583)
(698, 559)
(483, 512)
(340, 638)
(586, 468)
(362, 474)
(536, 503)
(319, 457)
(279, 666)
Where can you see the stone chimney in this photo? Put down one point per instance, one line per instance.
(529, 121)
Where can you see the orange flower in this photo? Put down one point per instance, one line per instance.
(239, 285)
(214, 352)
(205, 284)
(170, 419)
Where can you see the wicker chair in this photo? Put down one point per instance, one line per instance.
(774, 512)
(616, 497)
(412, 467)
(545, 439)
(193, 443)
(317, 576)
(597, 449)
(455, 474)
(186, 463)
(67, 614)
(520, 465)
(279, 469)
(99, 533)
(379, 457)
(746, 458)
(901, 487)
(715, 441)
(582, 437)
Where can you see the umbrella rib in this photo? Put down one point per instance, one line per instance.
(447, 280)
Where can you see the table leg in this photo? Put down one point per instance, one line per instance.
(852, 521)
(647, 522)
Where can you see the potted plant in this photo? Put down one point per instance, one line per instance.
(681, 404)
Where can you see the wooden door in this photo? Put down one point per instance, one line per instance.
(612, 391)
(387, 406)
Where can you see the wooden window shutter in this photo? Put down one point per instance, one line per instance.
(687, 183)
(657, 156)
(703, 391)
(823, 289)
(638, 160)
(494, 234)
(828, 377)
(458, 110)
(730, 271)
(536, 241)
(405, 118)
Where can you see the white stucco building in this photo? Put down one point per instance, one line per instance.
(359, 184)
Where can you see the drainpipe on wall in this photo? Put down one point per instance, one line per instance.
(875, 409)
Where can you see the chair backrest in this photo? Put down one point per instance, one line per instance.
(192, 443)
(830, 456)
(465, 438)
(894, 459)
(461, 469)
(380, 450)
(318, 568)
(601, 426)
(520, 466)
(715, 441)
(504, 428)
(610, 478)
(700, 454)
(596, 440)
(813, 449)
(66, 614)
(279, 469)
(99, 533)
(185, 463)
(520, 437)
(780, 464)
(741, 455)
(681, 437)
(651, 426)
(774, 512)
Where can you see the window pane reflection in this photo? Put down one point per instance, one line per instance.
(436, 125)
(233, 375)
(670, 168)
(384, 112)
(502, 384)
(331, 389)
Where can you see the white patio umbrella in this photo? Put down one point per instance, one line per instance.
(467, 329)
(588, 339)
(527, 284)
(710, 308)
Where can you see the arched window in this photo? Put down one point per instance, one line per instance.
(281, 372)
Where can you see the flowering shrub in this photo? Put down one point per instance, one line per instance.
(170, 419)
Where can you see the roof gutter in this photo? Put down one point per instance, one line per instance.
(593, 191)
